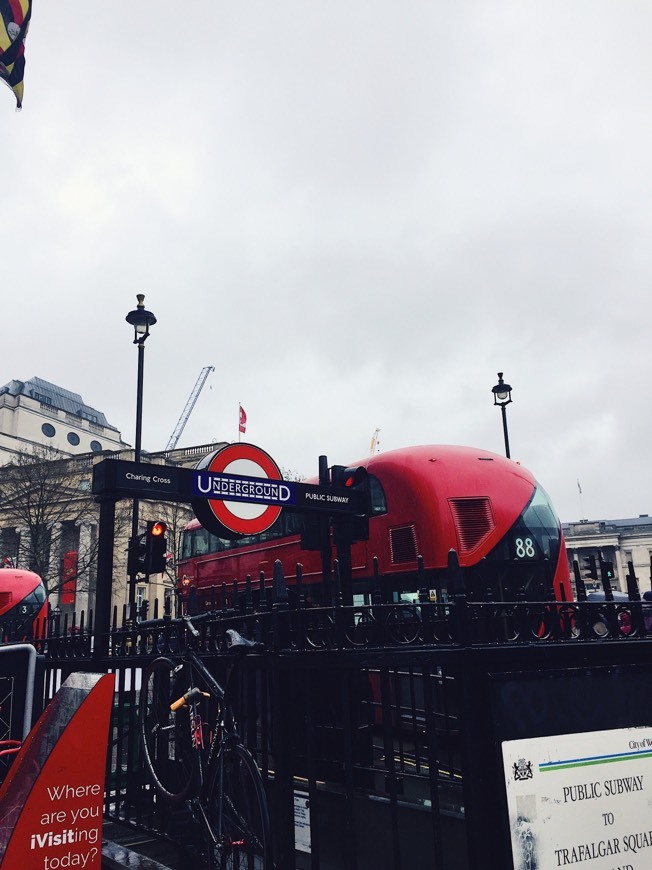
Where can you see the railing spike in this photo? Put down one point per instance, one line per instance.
(280, 590)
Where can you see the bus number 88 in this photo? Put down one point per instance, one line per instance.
(524, 548)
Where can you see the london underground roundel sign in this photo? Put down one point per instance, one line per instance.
(238, 474)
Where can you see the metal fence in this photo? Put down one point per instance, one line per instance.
(378, 728)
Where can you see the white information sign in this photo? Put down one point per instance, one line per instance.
(301, 822)
(581, 801)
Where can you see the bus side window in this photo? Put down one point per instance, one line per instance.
(201, 542)
(215, 544)
(186, 544)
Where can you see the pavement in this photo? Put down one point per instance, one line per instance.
(125, 846)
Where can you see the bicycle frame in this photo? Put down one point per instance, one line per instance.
(193, 663)
(225, 731)
(198, 756)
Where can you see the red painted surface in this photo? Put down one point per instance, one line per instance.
(51, 801)
(69, 586)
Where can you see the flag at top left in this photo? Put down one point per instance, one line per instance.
(14, 23)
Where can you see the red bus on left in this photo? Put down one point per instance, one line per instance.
(23, 604)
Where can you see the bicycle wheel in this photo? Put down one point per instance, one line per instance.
(237, 814)
(166, 737)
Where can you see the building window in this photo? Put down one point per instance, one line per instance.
(9, 544)
(73, 438)
(96, 447)
(44, 400)
(48, 430)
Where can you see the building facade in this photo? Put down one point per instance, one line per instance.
(39, 413)
(619, 542)
(50, 440)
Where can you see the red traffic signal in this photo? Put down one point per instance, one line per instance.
(156, 529)
(156, 547)
(355, 476)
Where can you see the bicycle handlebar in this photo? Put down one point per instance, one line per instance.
(190, 694)
(234, 640)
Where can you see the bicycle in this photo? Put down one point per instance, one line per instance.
(193, 752)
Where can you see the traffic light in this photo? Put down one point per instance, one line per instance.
(590, 567)
(355, 478)
(136, 553)
(156, 547)
(350, 478)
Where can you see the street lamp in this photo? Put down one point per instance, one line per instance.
(141, 319)
(502, 397)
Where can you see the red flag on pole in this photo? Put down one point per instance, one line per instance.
(242, 426)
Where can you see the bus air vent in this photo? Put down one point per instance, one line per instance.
(5, 599)
(474, 520)
(403, 544)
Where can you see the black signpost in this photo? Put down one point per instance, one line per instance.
(114, 479)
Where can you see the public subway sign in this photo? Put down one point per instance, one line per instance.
(235, 491)
(581, 800)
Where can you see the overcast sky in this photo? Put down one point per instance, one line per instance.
(358, 211)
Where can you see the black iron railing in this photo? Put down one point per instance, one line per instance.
(377, 726)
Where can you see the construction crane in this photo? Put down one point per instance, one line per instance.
(190, 404)
(375, 443)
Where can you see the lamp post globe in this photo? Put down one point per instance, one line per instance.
(502, 397)
(141, 319)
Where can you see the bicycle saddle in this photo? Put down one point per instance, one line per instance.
(234, 639)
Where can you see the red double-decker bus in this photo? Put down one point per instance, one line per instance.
(23, 604)
(425, 501)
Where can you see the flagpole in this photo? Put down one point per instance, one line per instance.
(579, 488)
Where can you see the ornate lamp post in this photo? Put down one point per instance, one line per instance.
(141, 319)
(502, 397)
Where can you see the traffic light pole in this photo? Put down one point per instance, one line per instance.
(342, 538)
(139, 427)
(325, 540)
(104, 581)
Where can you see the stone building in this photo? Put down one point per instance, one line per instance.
(616, 541)
(50, 439)
(36, 412)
